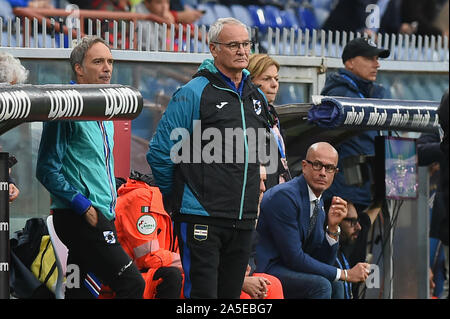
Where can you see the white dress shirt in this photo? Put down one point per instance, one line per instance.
(331, 241)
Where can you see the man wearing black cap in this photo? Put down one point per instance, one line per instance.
(360, 57)
(356, 80)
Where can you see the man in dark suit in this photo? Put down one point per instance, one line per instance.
(293, 244)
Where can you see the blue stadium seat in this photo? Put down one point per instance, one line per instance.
(307, 18)
(290, 19)
(241, 13)
(41, 40)
(274, 18)
(321, 15)
(5, 39)
(323, 4)
(209, 17)
(222, 11)
(322, 9)
(259, 19)
(284, 3)
(6, 11)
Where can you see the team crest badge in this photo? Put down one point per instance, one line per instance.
(257, 106)
(109, 237)
(200, 232)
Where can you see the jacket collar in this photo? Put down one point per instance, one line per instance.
(363, 86)
(210, 71)
(304, 205)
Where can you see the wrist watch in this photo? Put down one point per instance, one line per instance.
(336, 234)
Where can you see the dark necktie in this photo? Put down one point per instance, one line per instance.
(313, 219)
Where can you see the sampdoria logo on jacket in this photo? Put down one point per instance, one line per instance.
(200, 232)
(109, 237)
(257, 106)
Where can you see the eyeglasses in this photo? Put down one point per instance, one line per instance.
(353, 221)
(234, 46)
(317, 166)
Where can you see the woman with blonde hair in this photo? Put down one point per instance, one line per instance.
(264, 73)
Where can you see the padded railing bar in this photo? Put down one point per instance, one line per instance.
(29, 103)
(374, 114)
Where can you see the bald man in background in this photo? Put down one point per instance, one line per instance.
(294, 210)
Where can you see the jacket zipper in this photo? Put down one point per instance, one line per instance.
(108, 166)
(244, 128)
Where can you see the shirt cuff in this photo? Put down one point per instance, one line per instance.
(80, 204)
(331, 240)
(338, 274)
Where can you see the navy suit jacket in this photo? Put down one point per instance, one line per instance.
(282, 228)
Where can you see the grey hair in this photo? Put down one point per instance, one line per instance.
(79, 51)
(216, 27)
(11, 69)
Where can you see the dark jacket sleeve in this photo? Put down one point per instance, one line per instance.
(174, 127)
(428, 149)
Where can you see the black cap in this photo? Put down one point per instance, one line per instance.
(363, 47)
